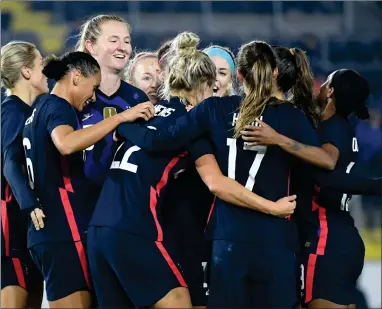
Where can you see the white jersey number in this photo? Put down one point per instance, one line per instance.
(28, 146)
(261, 150)
(124, 164)
(345, 198)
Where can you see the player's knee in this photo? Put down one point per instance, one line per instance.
(176, 298)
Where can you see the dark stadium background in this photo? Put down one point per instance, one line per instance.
(335, 35)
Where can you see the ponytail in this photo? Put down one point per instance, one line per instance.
(256, 62)
(303, 89)
(56, 68)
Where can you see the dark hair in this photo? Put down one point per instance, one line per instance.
(256, 63)
(296, 76)
(351, 91)
(56, 68)
(286, 64)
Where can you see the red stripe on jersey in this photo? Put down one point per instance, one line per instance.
(171, 263)
(163, 181)
(65, 174)
(8, 193)
(19, 272)
(75, 234)
(323, 231)
(210, 213)
(5, 226)
(153, 205)
(322, 240)
(310, 277)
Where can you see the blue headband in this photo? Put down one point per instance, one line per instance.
(218, 52)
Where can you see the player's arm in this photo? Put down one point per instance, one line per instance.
(325, 157)
(351, 183)
(68, 140)
(185, 129)
(14, 173)
(12, 124)
(234, 193)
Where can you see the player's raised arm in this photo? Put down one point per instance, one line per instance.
(77, 84)
(185, 129)
(265, 135)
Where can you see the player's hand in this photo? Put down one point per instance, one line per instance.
(38, 216)
(262, 134)
(285, 207)
(143, 110)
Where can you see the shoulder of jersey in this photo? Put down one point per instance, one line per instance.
(134, 91)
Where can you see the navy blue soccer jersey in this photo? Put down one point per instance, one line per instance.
(59, 181)
(100, 155)
(262, 170)
(15, 191)
(333, 206)
(135, 190)
(338, 132)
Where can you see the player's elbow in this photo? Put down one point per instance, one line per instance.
(65, 149)
(330, 164)
(214, 184)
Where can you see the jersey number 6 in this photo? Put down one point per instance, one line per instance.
(27, 146)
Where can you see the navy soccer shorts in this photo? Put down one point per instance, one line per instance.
(20, 271)
(331, 274)
(64, 268)
(130, 271)
(245, 275)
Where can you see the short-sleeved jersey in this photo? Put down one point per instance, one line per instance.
(262, 170)
(14, 223)
(59, 181)
(135, 189)
(99, 156)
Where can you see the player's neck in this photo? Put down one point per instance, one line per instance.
(329, 111)
(110, 82)
(60, 90)
(25, 94)
(278, 94)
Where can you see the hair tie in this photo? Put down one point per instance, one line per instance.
(164, 56)
(291, 51)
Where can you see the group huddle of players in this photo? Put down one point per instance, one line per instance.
(149, 183)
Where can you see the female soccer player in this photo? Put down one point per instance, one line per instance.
(258, 280)
(21, 75)
(107, 38)
(130, 208)
(53, 144)
(224, 60)
(143, 72)
(343, 93)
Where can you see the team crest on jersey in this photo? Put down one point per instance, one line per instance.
(109, 111)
